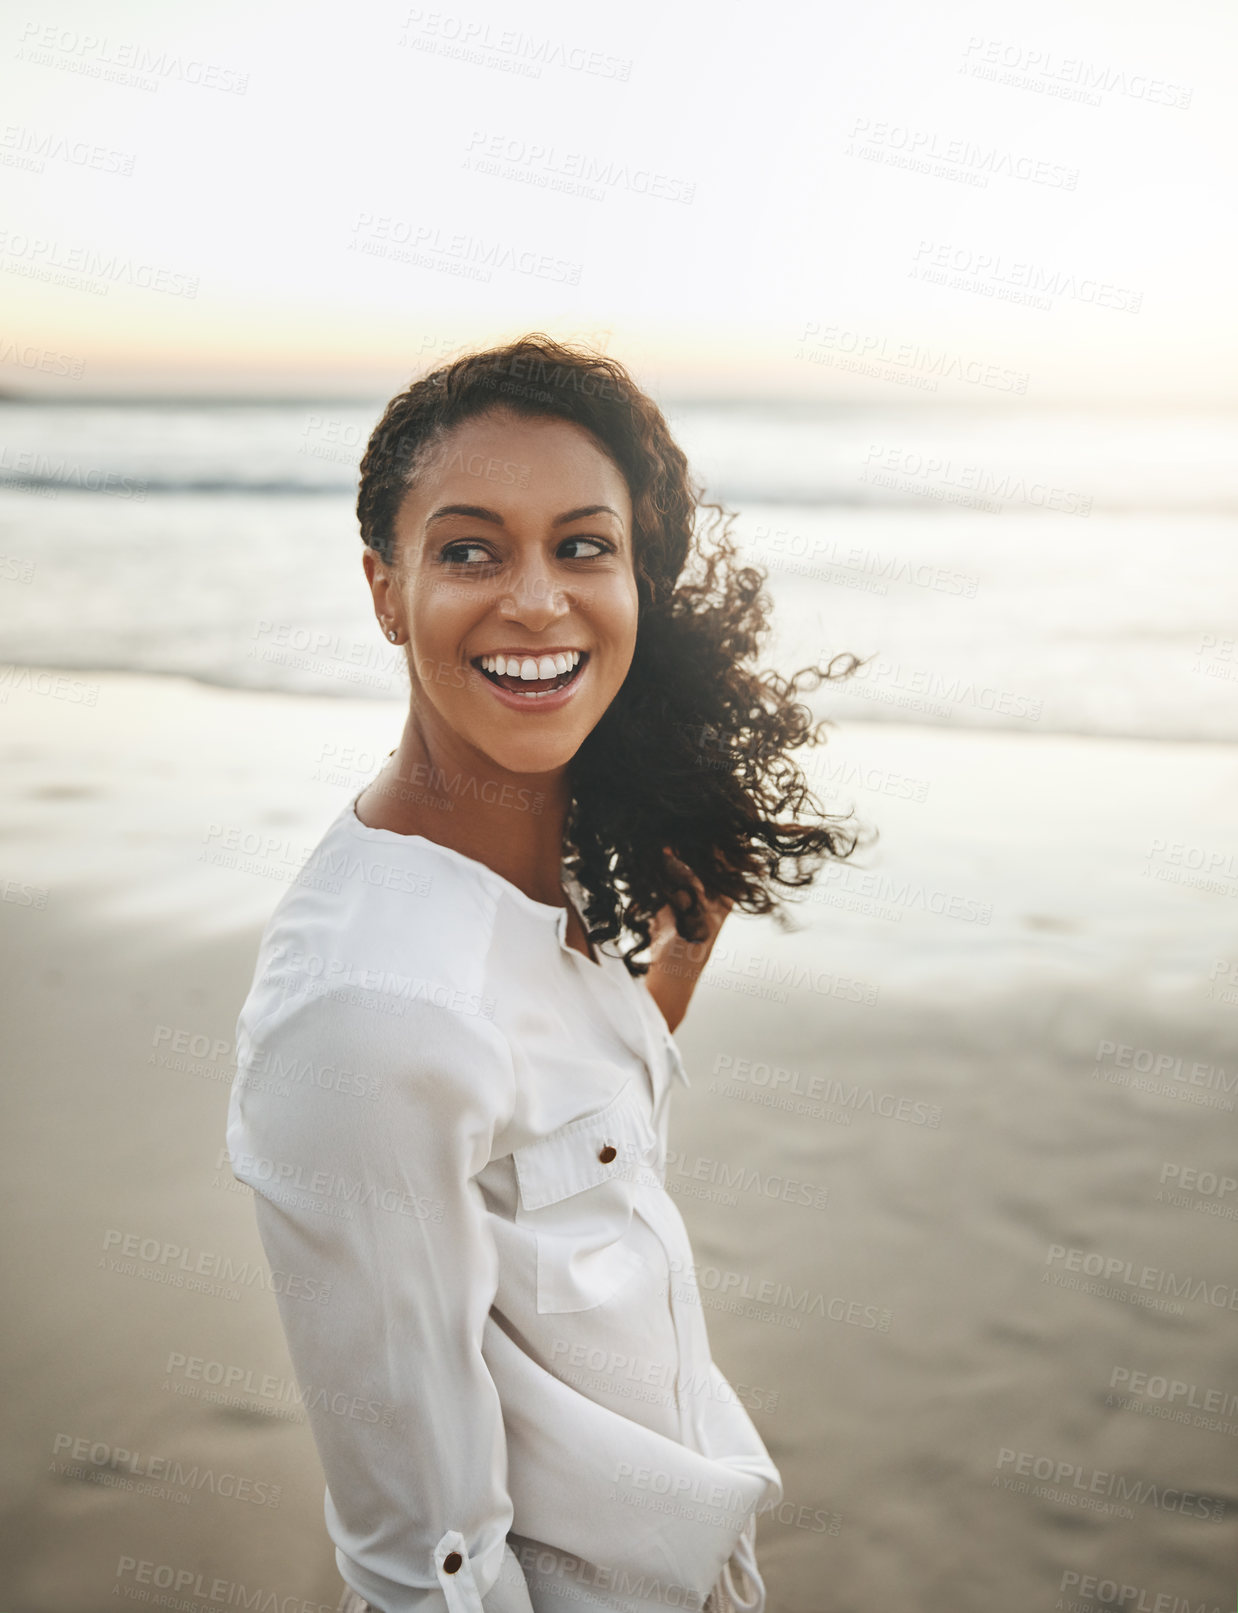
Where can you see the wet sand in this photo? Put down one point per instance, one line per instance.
(958, 1159)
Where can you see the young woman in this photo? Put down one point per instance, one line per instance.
(451, 1098)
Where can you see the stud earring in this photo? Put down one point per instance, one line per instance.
(392, 634)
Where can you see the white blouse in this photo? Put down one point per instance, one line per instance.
(455, 1126)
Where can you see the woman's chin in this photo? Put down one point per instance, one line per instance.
(532, 755)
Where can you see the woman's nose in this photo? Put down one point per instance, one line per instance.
(534, 597)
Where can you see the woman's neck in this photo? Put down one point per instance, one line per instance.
(453, 795)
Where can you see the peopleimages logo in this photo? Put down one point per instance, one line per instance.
(121, 61)
(1079, 1483)
(1174, 1392)
(45, 359)
(283, 1180)
(1112, 1269)
(134, 1572)
(83, 1453)
(1072, 78)
(88, 267)
(175, 1266)
(881, 355)
(828, 1089)
(1097, 1592)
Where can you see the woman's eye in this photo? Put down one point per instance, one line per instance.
(465, 554)
(456, 554)
(599, 547)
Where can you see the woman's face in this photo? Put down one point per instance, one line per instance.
(513, 556)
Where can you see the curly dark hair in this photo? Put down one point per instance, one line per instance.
(693, 754)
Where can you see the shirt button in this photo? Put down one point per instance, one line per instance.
(606, 1154)
(452, 1562)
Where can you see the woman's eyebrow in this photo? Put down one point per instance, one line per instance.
(478, 512)
(475, 512)
(586, 509)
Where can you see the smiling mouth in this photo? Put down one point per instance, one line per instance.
(533, 688)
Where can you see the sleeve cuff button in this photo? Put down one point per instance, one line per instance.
(452, 1562)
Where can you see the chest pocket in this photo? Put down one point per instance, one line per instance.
(578, 1190)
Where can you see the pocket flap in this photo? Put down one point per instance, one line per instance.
(615, 1144)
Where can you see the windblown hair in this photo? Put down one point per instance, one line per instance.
(694, 753)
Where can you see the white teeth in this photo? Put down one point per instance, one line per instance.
(531, 668)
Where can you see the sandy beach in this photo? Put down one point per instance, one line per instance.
(958, 1159)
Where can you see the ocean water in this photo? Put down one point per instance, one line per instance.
(1044, 571)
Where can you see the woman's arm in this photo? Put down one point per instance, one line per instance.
(675, 963)
(361, 1154)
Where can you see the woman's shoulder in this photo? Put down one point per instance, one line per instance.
(379, 920)
(372, 980)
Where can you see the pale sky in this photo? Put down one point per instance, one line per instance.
(722, 194)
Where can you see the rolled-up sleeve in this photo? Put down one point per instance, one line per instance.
(360, 1132)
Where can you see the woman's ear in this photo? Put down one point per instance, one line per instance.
(382, 581)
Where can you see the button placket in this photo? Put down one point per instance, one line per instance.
(661, 1216)
(675, 1059)
(455, 1574)
(609, 984)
